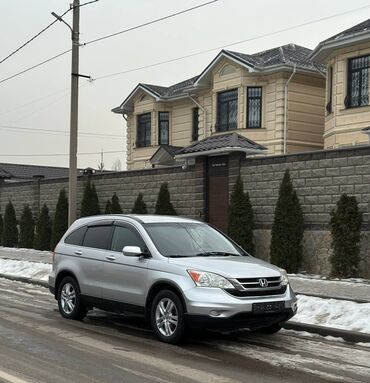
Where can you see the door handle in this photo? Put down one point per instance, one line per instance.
(78, 252)
(111, 257)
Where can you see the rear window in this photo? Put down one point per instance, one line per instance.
(98, 237)
(76, 237)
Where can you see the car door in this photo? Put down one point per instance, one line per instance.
(91, 257)
(125, 277)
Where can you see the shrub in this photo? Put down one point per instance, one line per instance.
(345, 223)
(1, 229)
(139, 206)
(90, 201)
(10, 233)
(60, 223)
(164, 205)
(43, 230)
(116, 207)
(108, 207)
(288, 227)
(240, 227)
(26, 228)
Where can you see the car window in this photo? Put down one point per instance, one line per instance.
(98, 237)
(76, 237)
(124, 236)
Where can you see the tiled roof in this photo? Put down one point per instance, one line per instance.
(27, 172)
(227, 140)
(361, 27)
(172, 150)
(290, 54)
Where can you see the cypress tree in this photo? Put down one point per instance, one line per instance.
(26, 228)
(60, 223)
(108, 207)
(1, 229)
(139, 206)
(43, 230)
(240, 227)
(90, 201)
(116, 207)
(164, 205)
(287, 230)
(10, 232)
(345, 223)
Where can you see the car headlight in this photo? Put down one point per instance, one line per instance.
(284, 274)
(205, 279)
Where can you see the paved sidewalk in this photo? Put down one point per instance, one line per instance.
(357, 291)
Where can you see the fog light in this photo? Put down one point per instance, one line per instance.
(215, 313)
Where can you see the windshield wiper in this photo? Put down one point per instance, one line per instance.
(217, 254)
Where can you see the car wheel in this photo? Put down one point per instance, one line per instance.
(69, 300)
(270, 329)
(167, 317)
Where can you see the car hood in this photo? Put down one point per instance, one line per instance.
(230, 267)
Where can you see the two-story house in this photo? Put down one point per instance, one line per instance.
(273, 99)
(347, 57)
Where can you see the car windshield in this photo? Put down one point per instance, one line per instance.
(190, 240)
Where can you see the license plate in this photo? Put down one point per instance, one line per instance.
(268, 307)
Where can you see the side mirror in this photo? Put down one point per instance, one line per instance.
(132, 251)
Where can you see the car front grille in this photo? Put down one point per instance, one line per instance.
(256, 287)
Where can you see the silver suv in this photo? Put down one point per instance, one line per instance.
(177, 272)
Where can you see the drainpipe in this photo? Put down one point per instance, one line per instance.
(203, 110)
(286, 106)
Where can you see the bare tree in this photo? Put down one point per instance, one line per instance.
(117, 165)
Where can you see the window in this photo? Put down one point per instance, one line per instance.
(254, 107)
(76, 237)
(124, 236)
(98, 237)
(144, 123)
(163, 128)
(329, 106)
(227, 110)
(195, 124)
(358, 82)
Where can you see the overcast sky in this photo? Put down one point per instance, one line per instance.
(40, 98)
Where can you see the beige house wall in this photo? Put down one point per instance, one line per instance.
(306, 101)
(343, 126)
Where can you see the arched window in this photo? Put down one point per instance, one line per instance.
(143, 97)
(227, 69)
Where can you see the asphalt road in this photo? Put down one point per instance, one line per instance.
(37, 345)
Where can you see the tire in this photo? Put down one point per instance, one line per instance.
(166, 307)
(274, 328)
(69, 300)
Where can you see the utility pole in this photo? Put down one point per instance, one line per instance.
(73, 136)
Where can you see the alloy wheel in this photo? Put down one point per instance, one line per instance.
(166, 317)
(68, 298)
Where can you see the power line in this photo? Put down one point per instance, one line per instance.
(58, 132)
(150, 22)
(35, 66)
(231, 44)
(59, 154)
(33, 38)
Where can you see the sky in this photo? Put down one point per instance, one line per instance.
(40, 98)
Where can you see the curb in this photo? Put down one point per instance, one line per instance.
(336, 298)
(348, 336)
(25, 280)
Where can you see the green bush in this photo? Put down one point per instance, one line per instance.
(116, 207)
(1, 229)
(60, 222)
(26, 228)
(164, 205)
(90, 201)
(10, 233)
(345, 223)
(139, 206)
(43, 230)
(108, 207)
(287, 230)
(240, 227)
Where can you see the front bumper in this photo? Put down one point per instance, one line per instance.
(215, 308)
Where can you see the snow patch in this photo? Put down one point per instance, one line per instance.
(34, 270)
